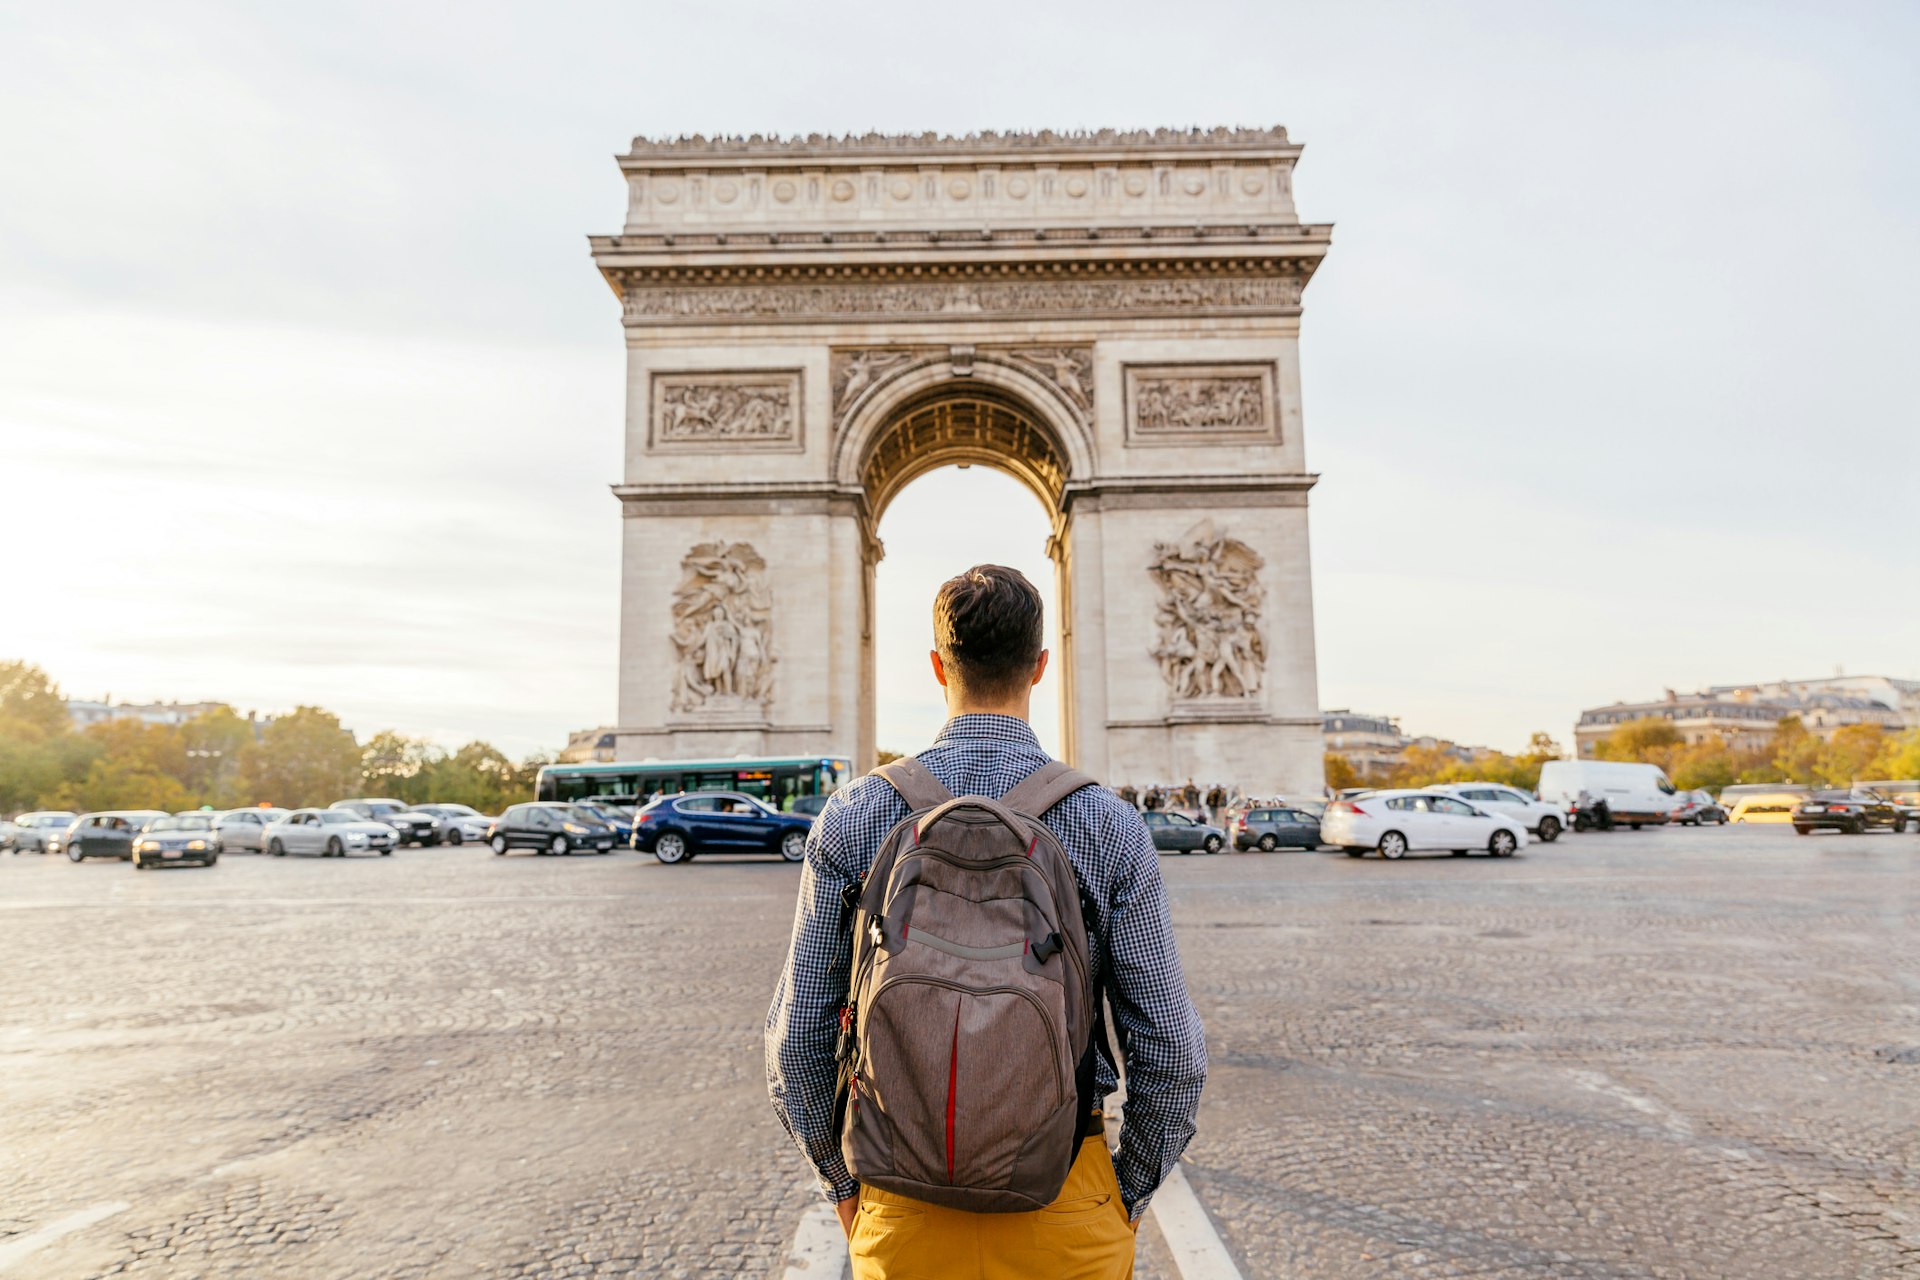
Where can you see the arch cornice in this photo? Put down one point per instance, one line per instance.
(864, 423)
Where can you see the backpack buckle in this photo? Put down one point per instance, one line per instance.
(1048, 947)
(877, 931)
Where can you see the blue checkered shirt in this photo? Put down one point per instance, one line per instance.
(1164, 1050)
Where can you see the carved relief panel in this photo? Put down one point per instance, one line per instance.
(1210, 642)
(1185, 404)
(723, 631)
(719, 412)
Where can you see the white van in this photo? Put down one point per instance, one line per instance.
(1637, 794)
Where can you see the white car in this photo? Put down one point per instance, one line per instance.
(1542, 819)
(41, 831)
(331, 833)
(457, 823)
(1396, 822)
(245, 828)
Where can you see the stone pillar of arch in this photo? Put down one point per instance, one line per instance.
(1111, 318)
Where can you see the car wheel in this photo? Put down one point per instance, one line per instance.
(1356, 853)
(137, 864)
(1801, 830)
(1212, 844)
(1502, 845)
(1633, 826)
(454, 837)
(1267, 843)
(1900, 824)
(215, 858)
(1856, 827)
(1393, 845)
(74, 854)
(670, 848)
(499, 844)
(277, 849)
(1549, 830)
(793, 846)
(335, 849)
(558, 847)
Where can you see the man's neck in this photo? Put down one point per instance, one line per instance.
(1018, 711)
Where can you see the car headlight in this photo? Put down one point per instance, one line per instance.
(357, 837)
(575, 829)
(149, 846)
(196, 846)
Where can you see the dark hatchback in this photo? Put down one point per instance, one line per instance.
(108, 835)
(550, 827)
(678, 828)
(1850, 811)
(1276, 827)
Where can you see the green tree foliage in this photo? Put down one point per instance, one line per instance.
(305, 758)
(223, 759)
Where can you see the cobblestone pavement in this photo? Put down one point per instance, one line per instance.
(1666, 1054)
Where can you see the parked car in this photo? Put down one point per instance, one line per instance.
(679, 828)
(1731, 796)
(1767, 806)
(239, 829)
(1544, 820)
(1852, 811)
(549, 827)
(1177, 833)
(1905, 793)
(1269, 828)
(1696, 808)
(108, 834)
(456, 823)
(617, 816)
(329, 833)
(178, 839)
(1401, 821)
(33, 831)
(1313, 808)
(1637, 795)
(414, 828)
(809, 806)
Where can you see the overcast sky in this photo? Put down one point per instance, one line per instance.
(309, 391)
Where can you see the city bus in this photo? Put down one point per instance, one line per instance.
(780, 781)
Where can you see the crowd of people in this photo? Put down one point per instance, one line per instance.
(1211, 803)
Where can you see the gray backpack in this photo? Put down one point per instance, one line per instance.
(965, 1044)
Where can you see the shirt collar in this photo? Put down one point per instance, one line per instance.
(979, 726)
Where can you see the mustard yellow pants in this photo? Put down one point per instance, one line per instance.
(1082, 1235)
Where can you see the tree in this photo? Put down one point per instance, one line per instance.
(30, 703)
(479, 775)
(1649, 740)
(393, 764)
(301, 759)
(1899, 758)
(1849, 755)
(137, 766)
(1340, 772)
(884, 756)
(1795, 752)
(214, 741)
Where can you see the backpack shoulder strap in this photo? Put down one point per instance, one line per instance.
(1045, 787)
(915, 783)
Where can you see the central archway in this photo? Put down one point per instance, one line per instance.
(927, 417)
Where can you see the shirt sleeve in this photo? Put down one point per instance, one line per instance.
(804, 1018)
(1161, 1041)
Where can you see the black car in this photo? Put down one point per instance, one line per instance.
(414, 828)
(1848, 811)
(677, 828)
(177, 841)
(549, 827)
(107, 835)
(1272, 827)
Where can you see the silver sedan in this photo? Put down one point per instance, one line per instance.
(330, 833)
(239, 829)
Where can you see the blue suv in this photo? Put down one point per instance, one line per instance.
(677, 828)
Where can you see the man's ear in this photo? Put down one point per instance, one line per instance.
(939, 668)
(1040, 667)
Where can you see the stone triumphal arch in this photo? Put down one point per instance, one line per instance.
(1112, 318)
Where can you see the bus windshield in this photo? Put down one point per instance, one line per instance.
(779, 782)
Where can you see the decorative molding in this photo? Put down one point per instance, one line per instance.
(1210, 648)
(716, 412)
(990, 140)
(722, 633)
(1268, 295)
(1187, 404)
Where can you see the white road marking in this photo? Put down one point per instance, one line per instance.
(1670, 1120)
(24, 1247)
(1196, 1247)
(819, 1247)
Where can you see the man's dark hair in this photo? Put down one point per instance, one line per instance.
(989, 626)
